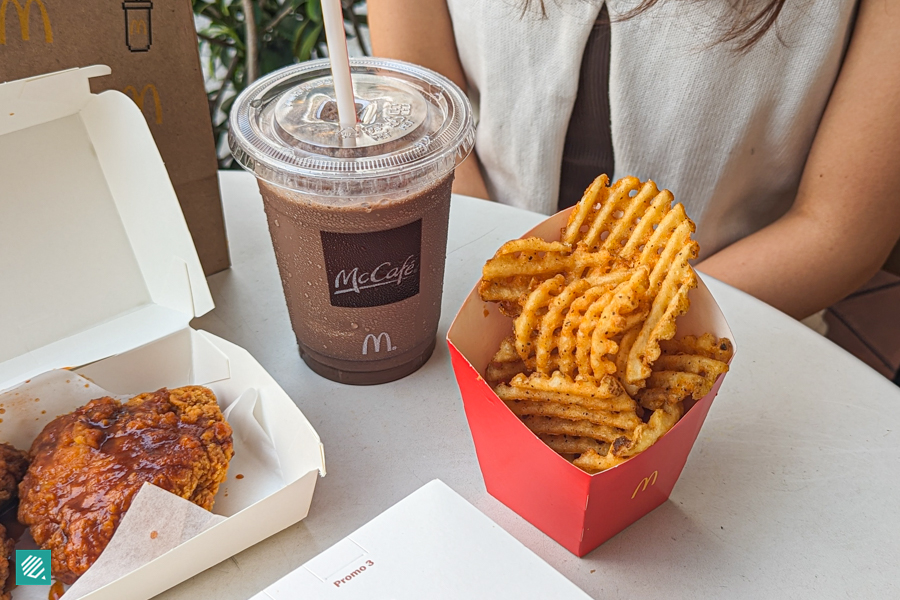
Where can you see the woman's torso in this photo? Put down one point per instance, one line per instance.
(727, 132)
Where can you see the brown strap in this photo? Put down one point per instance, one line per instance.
(588, 151)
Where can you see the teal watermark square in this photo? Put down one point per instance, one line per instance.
(32, 567)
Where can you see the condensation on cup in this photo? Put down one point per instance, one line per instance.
(358, 217)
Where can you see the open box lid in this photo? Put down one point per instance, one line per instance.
(95, 255)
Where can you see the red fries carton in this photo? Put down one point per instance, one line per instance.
(578, 510)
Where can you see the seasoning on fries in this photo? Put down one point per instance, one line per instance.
(594, 315)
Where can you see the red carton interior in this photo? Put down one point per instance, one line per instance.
(578, 510)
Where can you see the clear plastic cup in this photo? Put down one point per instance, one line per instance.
(358, 217)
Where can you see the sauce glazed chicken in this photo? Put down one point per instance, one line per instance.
(87, 466)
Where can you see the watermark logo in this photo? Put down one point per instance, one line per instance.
(32, 567)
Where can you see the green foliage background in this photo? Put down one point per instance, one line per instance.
(287, 31)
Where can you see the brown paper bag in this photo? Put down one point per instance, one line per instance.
(152, 50)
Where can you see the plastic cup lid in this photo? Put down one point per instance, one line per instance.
(414, 126)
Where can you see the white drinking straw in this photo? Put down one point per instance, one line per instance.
(340, 62)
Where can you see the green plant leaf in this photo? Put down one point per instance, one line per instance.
(311, 38)
(225, 33)
(314, 10)
(226, 105)
(298, 38)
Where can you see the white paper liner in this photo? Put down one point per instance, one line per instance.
(27, 408)
(156, 522)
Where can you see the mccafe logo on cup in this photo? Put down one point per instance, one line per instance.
(373, 268)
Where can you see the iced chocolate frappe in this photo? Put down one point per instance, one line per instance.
(358, 219)
(372, 297)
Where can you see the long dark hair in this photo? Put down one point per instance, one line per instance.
(751, 19)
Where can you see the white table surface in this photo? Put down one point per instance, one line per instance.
(791, 491)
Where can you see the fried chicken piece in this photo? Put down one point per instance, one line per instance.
(87, 465)
(7, 546)
(13, 464)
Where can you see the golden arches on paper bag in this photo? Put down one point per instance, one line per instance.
(24, 14)
(139, 98)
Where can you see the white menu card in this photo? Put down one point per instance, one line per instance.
(433, 544)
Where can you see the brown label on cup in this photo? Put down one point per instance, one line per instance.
(373, 268)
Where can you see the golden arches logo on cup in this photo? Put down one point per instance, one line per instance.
(23, 12)
(137, 27)
(140, 97)
(377, 343)
(642, 485)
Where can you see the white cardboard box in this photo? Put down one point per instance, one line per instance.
(433, 544)
(98, 273)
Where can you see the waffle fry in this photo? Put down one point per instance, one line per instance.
(623, 420)
(625, 345)
(568, 336)
(506, 293)
(657, 209)
(667, 387)
(547, 338)
(505, 365)
(601, 208)
(519, 257)
(646, 434)
(670, 303)
(617, 315)
(509, 278)
(679, 377)
(586, 209)
(566, 444)
(689, 364)
(558, 426)
(535, 307)
(595, 461)
(607, 394)
(517, 266)
(706, 345)
(594, 322)
(600, 215)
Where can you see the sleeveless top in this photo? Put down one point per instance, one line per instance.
(727, 133)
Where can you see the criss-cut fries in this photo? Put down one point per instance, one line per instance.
(618, 314)
(558, 426)
(687, 369)
(505, 365)
(573, 412)
(670, 303)
(706, 345)
(569, 444)
(606, 394)
(594, 321)
(644, 436)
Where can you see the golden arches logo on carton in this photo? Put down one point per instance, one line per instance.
(140, 97)
(23, 12)
(643, 483)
